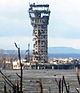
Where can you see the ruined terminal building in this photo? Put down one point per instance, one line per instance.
(39, 15)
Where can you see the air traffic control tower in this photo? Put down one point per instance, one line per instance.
(39, 15)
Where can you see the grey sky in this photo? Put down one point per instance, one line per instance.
(63, 28)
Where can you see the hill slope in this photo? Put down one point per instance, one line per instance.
(63, 50)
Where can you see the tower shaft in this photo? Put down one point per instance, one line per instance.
(39, 15)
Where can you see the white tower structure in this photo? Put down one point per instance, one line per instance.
(39, 15)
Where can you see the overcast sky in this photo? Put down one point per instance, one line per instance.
(63, 28)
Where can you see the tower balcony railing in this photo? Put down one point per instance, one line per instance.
(40, 21)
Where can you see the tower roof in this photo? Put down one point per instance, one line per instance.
(40, 5)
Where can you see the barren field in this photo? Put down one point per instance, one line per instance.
(46, 77)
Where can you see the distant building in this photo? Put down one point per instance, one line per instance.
(39, 15)
(16, 65)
